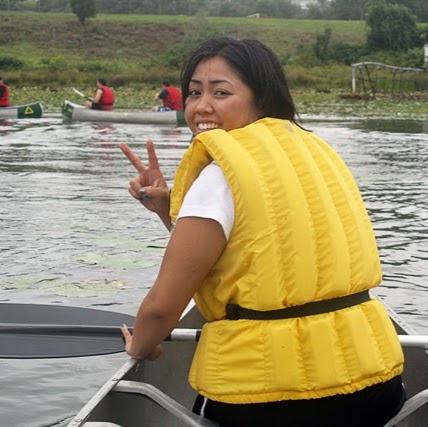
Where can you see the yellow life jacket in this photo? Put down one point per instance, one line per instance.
(301, 234)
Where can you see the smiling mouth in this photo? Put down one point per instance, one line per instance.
(207, 126)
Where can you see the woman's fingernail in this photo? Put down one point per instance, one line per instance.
(143, 196)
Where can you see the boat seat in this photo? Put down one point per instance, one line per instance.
(163, 400)
(410, 406)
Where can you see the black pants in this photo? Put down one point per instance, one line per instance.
(371, 407)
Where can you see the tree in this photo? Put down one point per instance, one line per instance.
(392, 27)
(417, 7)
(10, 4)
(84, 9)
(347, 9)
(53, 5)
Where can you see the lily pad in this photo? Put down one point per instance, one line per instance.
(128, 243)
(64, 287)
(90, 288)
(122, 261)
(25, 281)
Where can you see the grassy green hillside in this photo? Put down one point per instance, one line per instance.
(42, 55)
(55, 48)
(141, 36)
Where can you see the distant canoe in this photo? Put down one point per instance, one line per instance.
(77, 112)
(26, 111)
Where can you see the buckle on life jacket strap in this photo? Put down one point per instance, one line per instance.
(235, 312)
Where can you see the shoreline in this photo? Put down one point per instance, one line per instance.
(308, 102)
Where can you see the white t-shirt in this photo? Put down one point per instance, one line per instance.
(210, 197)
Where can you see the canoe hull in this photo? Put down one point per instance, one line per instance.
(415, 377)
(75, 112)
(169, 374)
(26, 111)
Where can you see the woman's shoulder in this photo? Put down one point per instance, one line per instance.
(212, 172)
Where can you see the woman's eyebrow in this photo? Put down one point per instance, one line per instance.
(199, 82)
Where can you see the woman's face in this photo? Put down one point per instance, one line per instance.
(218, 99)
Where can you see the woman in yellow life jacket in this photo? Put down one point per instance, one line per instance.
(274, 243)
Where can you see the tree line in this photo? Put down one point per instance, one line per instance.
(290, 9)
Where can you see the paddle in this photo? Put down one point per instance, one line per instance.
(36, 331)
(81, 94)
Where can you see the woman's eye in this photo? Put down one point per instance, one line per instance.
(193, 92)
(220, 93)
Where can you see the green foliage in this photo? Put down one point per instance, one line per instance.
(418, 7)
(316, 11)
(421, 83)
(316, 77)
(321, 9)
(55, 63)
(84, 9)
(90, 67)
(29, 5)
(326, 49)
(348, 9)
(278, 8)
(412, 58)
(358, 9)
(322, 44)
(53, 5)
(392, 27)
(346, 53)
(9, 63)
(135, 50)
(423, 33)
(9, 4)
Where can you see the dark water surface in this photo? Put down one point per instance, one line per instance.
(70, 234)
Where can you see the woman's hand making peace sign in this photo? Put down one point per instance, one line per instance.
(149, 186)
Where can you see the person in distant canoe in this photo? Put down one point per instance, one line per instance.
(103, 98)
(170, 97)
(4, 94)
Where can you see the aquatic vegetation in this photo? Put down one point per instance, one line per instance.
(62, 286)
(124, 261)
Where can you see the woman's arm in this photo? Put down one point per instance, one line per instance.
(194, 248)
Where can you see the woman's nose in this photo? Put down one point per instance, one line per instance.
(204, 104)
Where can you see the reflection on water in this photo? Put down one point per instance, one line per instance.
(71, 234)
(395, 126)
(376, 124)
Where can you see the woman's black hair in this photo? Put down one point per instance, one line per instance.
(258, 67)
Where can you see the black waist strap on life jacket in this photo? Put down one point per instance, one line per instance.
(235, 312)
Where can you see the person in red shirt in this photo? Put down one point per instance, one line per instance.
(103, 98)
(170, 97)
(4, 94)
